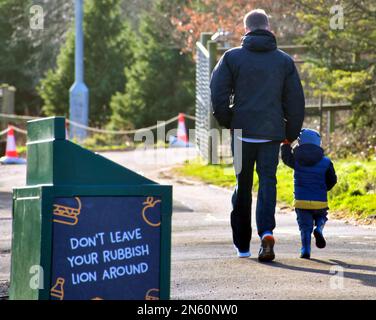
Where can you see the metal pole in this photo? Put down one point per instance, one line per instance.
(213, 137)
(79, 46)
(79, 93)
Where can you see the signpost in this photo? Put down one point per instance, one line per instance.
(79, 93)
(93, 229)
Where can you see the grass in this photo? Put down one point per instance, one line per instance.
(21, 150)
(354, 196)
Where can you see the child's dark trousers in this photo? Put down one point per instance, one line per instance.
(308, 218)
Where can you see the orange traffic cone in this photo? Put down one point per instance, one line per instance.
(182, 138)
(11, 155)
(182, 132)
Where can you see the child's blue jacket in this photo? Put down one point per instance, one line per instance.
(314, 175)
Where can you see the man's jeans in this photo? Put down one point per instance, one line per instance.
(265, 156)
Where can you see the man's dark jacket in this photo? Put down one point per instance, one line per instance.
(265, 85)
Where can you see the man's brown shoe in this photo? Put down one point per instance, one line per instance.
(266, 253)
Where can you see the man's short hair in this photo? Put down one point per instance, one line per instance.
(256, 19)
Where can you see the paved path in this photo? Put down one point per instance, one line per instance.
(203, 262)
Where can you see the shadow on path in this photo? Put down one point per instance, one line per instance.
(367, 279)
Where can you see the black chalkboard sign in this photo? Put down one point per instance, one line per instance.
(106, 248)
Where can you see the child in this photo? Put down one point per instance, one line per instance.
(314, 175)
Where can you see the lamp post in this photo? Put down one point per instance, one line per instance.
(79, 93)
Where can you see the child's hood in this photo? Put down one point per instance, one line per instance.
(308, 154)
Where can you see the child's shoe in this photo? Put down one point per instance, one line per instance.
(306, 245)
(305, 253)
(320, 240)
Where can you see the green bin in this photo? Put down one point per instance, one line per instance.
(85, 227)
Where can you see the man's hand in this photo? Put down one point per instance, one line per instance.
(287, 154)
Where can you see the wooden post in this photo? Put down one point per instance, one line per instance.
(205, 37)
(331, 121)
(7, 94)
(331, 124)
(321, 102)
(8, 99)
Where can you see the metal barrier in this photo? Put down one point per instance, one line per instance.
(203, 106)
(207, 141)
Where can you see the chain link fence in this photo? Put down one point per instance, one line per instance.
(203, 101)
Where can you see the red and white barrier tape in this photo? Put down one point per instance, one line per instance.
(4, 132)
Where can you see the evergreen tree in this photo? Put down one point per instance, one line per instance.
(16, 50)
(27, 53)
(342, 58)
(107, 50)
(161, 79)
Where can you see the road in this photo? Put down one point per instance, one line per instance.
(204, 265)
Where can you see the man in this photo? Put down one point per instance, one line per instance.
(267, 99)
